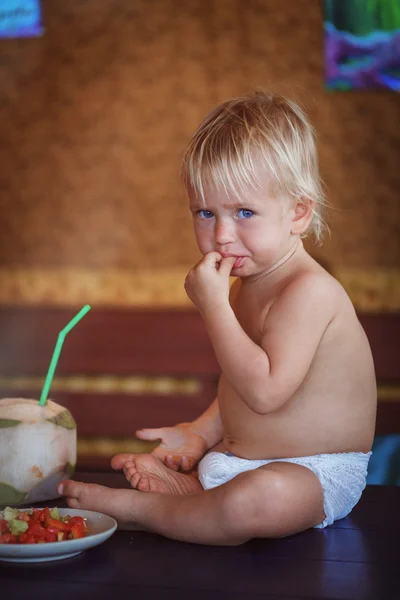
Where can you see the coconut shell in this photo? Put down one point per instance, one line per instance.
(38, 450)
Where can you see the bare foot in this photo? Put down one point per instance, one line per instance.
(89, 496)
(148, 474)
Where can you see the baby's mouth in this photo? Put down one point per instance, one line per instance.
(238, 262)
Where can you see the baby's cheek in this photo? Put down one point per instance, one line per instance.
(205, 243)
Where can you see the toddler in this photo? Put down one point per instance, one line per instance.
(285, 445)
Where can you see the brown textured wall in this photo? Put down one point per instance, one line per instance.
(95, 114)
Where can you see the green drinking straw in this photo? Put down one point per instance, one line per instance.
(57, 350)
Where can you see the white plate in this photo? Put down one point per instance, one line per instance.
(100, 527)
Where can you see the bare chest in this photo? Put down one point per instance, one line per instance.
(251, 310)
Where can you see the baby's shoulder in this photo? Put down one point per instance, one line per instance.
(316, 286)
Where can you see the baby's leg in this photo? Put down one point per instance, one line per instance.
(276, 500)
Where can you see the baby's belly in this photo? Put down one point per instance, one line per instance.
(276, 443)
(272, 444)
(295, 430)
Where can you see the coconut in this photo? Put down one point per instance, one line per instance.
(38, 450)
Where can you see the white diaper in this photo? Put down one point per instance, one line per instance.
(342, 476)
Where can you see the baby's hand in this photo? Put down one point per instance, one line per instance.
(207, 284)
(181, 448)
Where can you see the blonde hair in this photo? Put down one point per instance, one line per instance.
(260, 129)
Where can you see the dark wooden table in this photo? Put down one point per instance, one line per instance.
(356, 558)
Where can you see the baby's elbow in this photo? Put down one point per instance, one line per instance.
(261, 409)
(268, 403)
(272, 400)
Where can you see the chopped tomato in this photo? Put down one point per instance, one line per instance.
(30, 540)
(8, 538)
(23, 516)
(77, 527)
(77, 531)
(59, 525)
(77, 521)
(27, 538)
(45, 515)
(41, 527)
(3, 526)
(36, 529)
(51, 536)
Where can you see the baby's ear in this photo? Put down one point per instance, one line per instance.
(302, 215)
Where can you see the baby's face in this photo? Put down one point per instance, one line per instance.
(255, 228)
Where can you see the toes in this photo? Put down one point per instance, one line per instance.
(134, 479)
(170, 463)
(130, 465)
(72, 489)
(188, 463)
(133, 475)
(118, 461)
(77, 493)
(73, 503)
(144, 484)
(129, 471)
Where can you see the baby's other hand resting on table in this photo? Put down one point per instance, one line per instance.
(181, 448)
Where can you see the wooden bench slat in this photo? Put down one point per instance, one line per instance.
(120, 414)
(105, 341)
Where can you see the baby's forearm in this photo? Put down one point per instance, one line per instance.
(209, 425)
(241, 360)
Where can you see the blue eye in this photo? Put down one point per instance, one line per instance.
(245, 213)
(205, 214)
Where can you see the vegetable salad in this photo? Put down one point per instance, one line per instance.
(38, 526)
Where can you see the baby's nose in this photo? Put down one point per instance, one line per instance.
(224, 232)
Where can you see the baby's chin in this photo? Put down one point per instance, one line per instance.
(243, 269)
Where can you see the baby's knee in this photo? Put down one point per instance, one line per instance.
(259, 482)
(257, 503)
